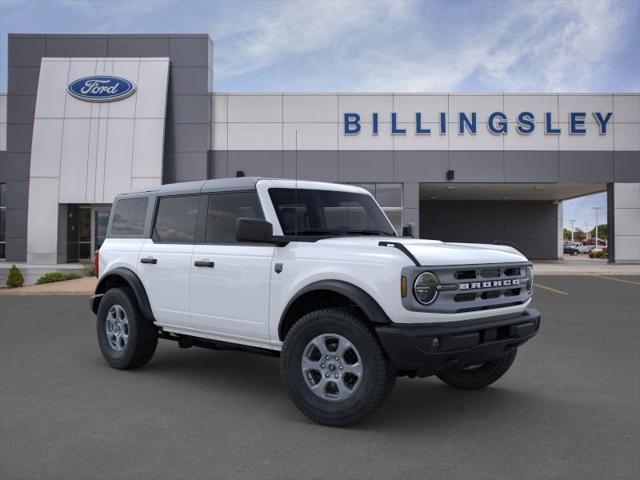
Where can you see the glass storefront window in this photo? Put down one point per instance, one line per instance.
(389, 196)
(3, 216)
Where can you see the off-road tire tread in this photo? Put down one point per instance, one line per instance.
(484, 376)
(384, 383)
(142, 345)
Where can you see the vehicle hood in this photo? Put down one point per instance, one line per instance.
(437, 253)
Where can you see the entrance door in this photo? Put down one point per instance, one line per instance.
(78, 233)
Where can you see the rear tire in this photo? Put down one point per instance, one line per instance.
(476, 377)
(126, 338)
(334, 369)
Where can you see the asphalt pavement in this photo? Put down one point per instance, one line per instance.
(568, 409)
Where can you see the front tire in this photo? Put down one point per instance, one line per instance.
(126, 338)
(479, 376)
(334, 369)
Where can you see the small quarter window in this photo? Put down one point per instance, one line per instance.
(225, 209)
(177, 219)
(128, 217)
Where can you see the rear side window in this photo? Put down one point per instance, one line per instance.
(224, 209)
(177, 219)
(128, 217)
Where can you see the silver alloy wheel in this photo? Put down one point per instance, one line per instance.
(332, 367)
(117, 327)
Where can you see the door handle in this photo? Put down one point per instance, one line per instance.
(204, 263)
(149, 260)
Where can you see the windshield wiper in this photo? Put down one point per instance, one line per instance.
(369, 232)
(320, 232)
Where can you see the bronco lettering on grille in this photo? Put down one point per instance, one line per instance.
(489, 284)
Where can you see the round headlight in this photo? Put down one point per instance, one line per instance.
(425, 288)
(529, 279)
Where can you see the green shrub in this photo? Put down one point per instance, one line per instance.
(52, 277)
(15, 278)
(596, 254)
(89, 271)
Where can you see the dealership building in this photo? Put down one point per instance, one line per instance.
(86, 117)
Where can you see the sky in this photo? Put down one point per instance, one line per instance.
(377, 45)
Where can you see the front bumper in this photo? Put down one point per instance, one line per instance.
(424, 350)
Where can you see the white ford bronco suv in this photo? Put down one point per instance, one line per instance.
(312, 272)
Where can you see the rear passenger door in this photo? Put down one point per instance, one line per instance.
(230, 280)
(165, 259)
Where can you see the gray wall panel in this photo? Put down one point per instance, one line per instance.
(15, 167)
(189, 51)
(411, 195)
(218, 164)
(531, 226)
(626, 166)
(188, 109)
(17, 194)
(477, 166)
(530, 166)
(316, 165)
(187, 137)
(22, 108)
(365, 166)
(586, 166)
(23, 81)
(260, 163)
(26, 50)
(16, 223)
(76, 46)
(138, 46)
(422, 166)
(184, 167)
(188, 80)
(16, 250)
(19, 137)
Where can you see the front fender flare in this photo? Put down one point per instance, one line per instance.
(133, 281)
(358, 296)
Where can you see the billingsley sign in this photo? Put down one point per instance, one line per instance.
(497, 123)
(101, 88)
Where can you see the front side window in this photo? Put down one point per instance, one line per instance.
(128, 217)
(224, 209)
(305, 212)
(177, 219)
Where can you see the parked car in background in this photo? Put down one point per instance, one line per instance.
(592, 241)
(578, 246)
(570, 249)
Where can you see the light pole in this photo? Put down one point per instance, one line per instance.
(596, 210)
(572, 222)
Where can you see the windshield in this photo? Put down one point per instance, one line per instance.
(305, 212)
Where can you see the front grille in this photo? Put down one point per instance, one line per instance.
(476, 287)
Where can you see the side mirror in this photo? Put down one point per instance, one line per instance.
(408, 230)
(253, 230)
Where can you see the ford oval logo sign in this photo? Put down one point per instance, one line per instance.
(101, 88)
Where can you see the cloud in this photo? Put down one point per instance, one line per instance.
(409, 46)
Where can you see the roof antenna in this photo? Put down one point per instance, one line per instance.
(295, 202)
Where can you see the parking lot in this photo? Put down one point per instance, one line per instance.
(569, 407)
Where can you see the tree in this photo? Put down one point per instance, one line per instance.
(566, 234)
(603, 231)
(578, 235)
(15, 278)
